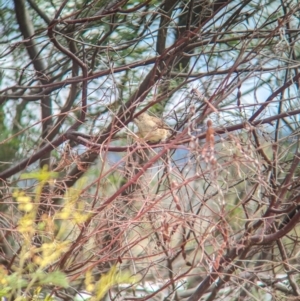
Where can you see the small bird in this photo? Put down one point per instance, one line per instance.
(151, 128)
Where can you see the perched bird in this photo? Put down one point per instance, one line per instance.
(151, 128)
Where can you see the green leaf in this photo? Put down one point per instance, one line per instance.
(56, 278)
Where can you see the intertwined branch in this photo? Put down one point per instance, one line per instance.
(210, 212)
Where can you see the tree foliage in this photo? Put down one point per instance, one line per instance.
(88, 206)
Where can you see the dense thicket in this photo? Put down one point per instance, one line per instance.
(209, 213)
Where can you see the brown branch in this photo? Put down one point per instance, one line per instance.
(69, 135)
(272, 96)
(267, 239)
